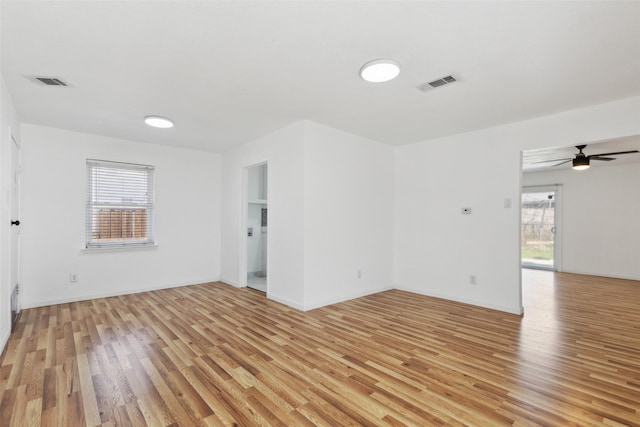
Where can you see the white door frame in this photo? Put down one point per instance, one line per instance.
(244, 200)
(557, 235)
(14, 214)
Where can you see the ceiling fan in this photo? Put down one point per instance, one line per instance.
(581, 160)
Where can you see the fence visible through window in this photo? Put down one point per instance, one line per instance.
(119, 204)
(538, 229)
(121, 224)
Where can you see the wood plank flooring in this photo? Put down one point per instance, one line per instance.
(216, 355)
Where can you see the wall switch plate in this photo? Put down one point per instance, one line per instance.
(249, 232)
(73, 277)
(466, 211)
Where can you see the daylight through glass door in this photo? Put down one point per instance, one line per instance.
(538, 232)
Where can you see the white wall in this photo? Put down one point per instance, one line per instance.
(9, 124)
(257, 188)
(348, 216)
(187, 218)
(285, 264)
(330, 214)
(600, 218)
(436, 247)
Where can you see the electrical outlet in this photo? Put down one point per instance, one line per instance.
(73, 277)
(473, 280)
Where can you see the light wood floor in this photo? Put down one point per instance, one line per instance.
(216, 355)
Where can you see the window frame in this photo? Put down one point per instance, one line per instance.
(97, 168)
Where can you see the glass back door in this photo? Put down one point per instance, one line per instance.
(539, 227)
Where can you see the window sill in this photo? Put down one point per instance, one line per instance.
(119, 249)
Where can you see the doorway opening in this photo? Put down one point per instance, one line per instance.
(540, 227)
(256, 227)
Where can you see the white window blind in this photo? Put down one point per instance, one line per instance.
(119, 204)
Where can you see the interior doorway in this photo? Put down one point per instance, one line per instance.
(540, 229)
(257, 226)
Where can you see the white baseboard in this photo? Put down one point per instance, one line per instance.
(230, 282)
(588, 273)
(285, 301)
(307, 307)
(4, 341)
(513, 310)
(343, 298)
(77, 298)
(277, 298)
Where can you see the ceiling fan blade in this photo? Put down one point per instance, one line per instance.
(601, 158)
(552, 160)
(562, 163)
(613, 154)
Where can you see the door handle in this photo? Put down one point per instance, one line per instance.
(16, 222)
(553, 230)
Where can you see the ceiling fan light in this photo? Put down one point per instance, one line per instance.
(580, 163)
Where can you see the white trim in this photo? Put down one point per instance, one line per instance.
(244, 212)
(16, 183)
(45, 303)
(613, 276)
(556, 189)
(519, 234)
(242, 255)
(114, 248)
(5, 341)
(539, 188)
(347, 297)
(286, 302)
(231, 282)
(513, 310)
(559, 229)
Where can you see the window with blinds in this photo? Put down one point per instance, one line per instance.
(119, 204)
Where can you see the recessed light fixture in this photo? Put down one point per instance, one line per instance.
(158, 122)
(380, 70)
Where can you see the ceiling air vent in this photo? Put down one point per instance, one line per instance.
(48, 81)
(437, 83)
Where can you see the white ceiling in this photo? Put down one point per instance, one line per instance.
(229, 72)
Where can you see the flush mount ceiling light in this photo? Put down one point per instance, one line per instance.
(380, 70)
(158, 122)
